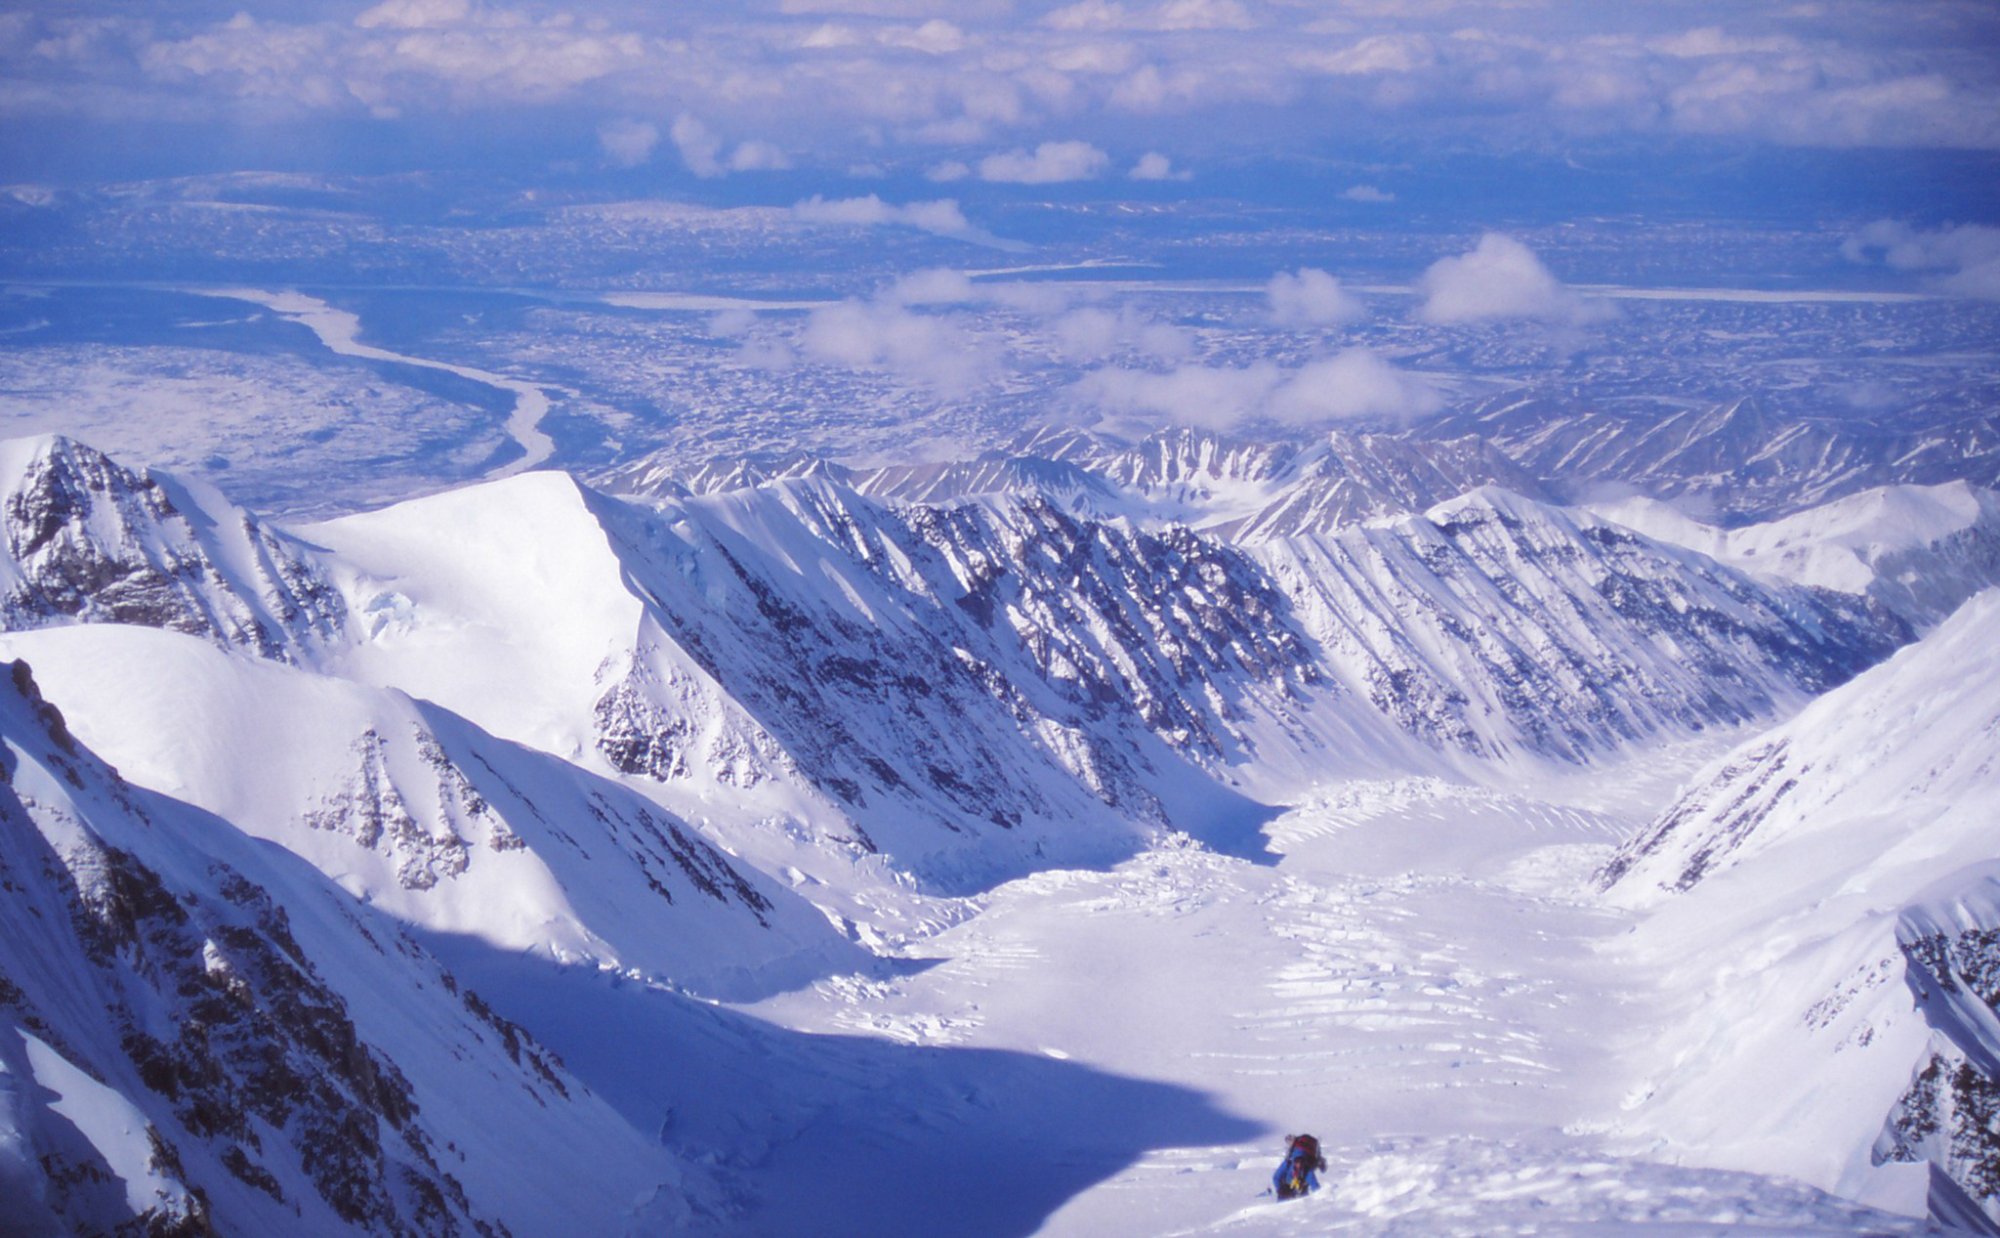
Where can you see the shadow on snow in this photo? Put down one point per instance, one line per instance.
(822, 1134)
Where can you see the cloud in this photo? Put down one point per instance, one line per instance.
(1967, 254)
(1050, 163)
(628, 143)
(936, 286)
(935, 36)
(887, 82)
(1094, 333)
(932, 350)
(1352, 383)
(1108, 15)
(1376, 54)
(701, 151)
(947, 172)
(941, 217)
(1153, 166)
(730, 323)
(756, 155)
(1310, 298)
(1501, 279)
(414, 14)
(1367, 193)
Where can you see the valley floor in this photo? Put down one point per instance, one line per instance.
(1413, 975)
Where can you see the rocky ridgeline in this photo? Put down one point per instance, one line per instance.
(178, 983)
(966, 660)
(88, 540)
(1739, 460)
(1493, 624)
(1239, 489)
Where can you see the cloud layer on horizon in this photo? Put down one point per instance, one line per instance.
(1031, 93)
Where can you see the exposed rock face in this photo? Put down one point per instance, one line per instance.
(88, 540)
(371, 810)
(203, 995)
(1239, 489)
(1493, 623)
(1950, 1116)
(1859, 835)
(1742, 460)
(187, 1051)
(951, 657)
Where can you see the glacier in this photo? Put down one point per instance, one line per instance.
(782, 836)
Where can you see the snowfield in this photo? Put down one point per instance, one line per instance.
(784, 856)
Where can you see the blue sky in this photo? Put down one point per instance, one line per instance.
(1147, 94)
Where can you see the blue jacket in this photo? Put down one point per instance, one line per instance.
(1278, 1174)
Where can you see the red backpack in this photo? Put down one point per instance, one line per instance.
(1302, 1158)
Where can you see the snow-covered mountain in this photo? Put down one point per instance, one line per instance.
(971, 681)
(1921, 551)
(1251, 491)
(1240, 489)
(1738, 460)
(741, 736)
(1812, 885)
(948, 685)
(88, 540)
(973, 687)
(1493, 625)
(203, 1034)
(428, 818)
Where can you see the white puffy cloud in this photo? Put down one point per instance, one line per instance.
(1967, 254)
(1101, 15)
(1310, 298)
(1352, 383)
(1218, 397)
(1376, 54)
(1153, 166)
(414, 14)
(935, 286)
(942, 217)
(731, 322)
(700, 149)
(1094, 333)
(1367, 193)
(757, 155)
(935, 36)
(1048, 164)
(1500, 278)
(932, 350)
(627, 142)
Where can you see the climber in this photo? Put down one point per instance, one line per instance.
(1298, 1173)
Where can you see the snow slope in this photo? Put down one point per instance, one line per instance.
(425, 817)
(197, 1030)
(1741, 459)
(1919, 550)
(1804, 892)
(956, 690)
